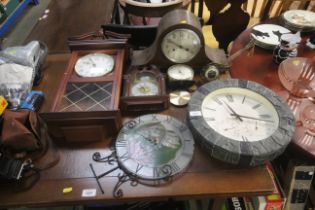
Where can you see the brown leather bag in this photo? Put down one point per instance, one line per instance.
(21, 131)
(24, 135)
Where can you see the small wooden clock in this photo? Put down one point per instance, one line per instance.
(144, 89)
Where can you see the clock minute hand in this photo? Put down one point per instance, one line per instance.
(233, 112)
(252, 118)
(178, 45)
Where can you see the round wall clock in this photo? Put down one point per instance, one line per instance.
(240, 122)
(94, 65)
(154, 148)
(179, 39)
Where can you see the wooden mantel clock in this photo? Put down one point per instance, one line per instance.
(179, 40)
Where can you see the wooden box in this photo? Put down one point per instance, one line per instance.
(87, 108)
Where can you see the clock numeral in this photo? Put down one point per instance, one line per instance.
(245, 139)
(121, 143)
(218, 101)
(182, 128)
(124, 157)
(229, 98)
(243, 99)
(154, 117)
(168, 118)
(157, 172)
(131, 124)
(256, 106)
(139, 167)
(174, 167)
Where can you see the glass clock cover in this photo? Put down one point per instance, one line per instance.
(94, 65)
(181, 45)
(145, 84)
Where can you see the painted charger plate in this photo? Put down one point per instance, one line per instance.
(300, 18)
(268, 35)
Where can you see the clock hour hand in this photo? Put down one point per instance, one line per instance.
(252, 118)
(233, 112)
(93, 64)
(178, 45)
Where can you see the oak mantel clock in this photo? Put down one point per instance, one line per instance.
(179, 40)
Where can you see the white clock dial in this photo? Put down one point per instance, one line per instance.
(181, 45)
(94, 65)
(180, 72)
(240, 114)
(144, 88)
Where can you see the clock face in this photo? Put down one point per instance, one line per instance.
(180, 72)
(240, 114)
(94, 65)
(181, 45)
(154, 148)
(145, 85)
(210, 72)
(240, 122)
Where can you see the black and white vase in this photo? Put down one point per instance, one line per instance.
(287, 47)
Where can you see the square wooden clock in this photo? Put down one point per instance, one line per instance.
(86, 106)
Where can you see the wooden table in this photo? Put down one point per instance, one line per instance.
(258, 66)
(205, 177)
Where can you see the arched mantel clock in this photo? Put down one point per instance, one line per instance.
(179, 40)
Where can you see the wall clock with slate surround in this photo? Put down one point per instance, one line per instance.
(154, 148)
(240, 122)
(85, 107)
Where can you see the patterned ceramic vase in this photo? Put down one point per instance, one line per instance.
(287, 47)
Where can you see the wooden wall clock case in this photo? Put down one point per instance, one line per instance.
(75, 117)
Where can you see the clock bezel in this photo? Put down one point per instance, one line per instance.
(240, 152)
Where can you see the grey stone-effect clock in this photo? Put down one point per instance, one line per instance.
(154, 148)
(240, 122)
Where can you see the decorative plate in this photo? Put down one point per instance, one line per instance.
(300, 18)
(268, 35)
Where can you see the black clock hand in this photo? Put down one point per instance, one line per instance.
(178, 45)
(93, 64)
(234, 113)
(252, 118)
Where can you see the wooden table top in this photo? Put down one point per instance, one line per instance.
(258, 66)
(205, 177)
